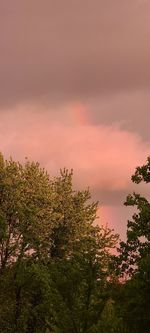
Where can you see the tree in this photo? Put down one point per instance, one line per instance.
(26, 206)
(39, 216)
(135, 259)
(137, 247)
(54, 263)
(82, 282)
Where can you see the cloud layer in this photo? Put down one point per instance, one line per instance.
(102, 156)
(72, 49)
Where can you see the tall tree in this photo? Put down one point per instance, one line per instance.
(135, 259)
(55, 264)
(26, 206)
(39, 216)
(137, 247)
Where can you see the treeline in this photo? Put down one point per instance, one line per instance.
(57, 270)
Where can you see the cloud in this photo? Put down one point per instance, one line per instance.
(72, 50)
(131, 110)
(103, 157)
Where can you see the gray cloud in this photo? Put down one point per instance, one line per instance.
(72, 49)
(131, 110)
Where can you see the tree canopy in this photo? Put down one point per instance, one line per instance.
(134, 260)
(52, 257)
(57, 270)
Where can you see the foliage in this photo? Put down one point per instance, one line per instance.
(137, 247)
(135, 259)
(57, 272)
(54, 263)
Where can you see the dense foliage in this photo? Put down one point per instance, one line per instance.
(57, 271)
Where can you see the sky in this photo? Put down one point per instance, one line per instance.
(75, 92)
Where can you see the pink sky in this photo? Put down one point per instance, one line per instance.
(103, 156)
(75, 92)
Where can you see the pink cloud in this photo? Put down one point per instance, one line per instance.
(101, 156)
